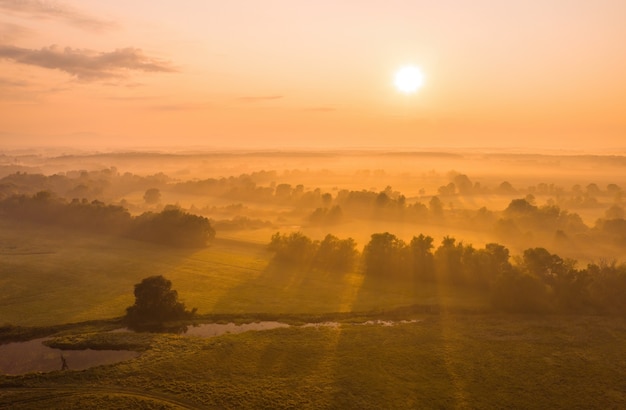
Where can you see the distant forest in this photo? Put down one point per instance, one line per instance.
(523, 223)
(171, 226)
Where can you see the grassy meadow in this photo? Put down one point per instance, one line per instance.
(442, 361)
(52, 276)
(458, 354)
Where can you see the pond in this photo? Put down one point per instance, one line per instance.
(34, 356)
(217, 329)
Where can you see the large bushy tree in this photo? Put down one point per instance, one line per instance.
(155, 303)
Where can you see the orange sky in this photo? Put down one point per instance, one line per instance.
(295, 74)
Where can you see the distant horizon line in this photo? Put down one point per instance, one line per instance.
(65, 150)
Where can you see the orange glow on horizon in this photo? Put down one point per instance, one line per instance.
(268, 75)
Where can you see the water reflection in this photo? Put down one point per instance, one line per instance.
(177, 329)
(34, 356)
(369, 322)
(217, 329)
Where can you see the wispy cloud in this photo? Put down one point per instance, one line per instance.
(253, 99)
(55, 10)
(9, 82)
(12, 32)
(86, 65)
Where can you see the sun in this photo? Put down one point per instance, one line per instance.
(409, 79)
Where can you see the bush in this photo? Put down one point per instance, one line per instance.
(155, 303)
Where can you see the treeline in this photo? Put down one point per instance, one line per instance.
(105, 184)
(172, 226)
(247, 187)
(521, 223)
(298, 250)
(537, 281)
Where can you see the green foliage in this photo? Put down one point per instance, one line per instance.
(449, 260)
(421, 257)
(611, 230)
(519, 292)
(326, 216)
(45, 208)
(520, 207)
(152, 196)
(443, 361)
(607, 287)
(293, 249)
(336, 254)
(543, 264)
(385, 255)
(297, 250)
(155, 303)
(521, 217)
(172, 227)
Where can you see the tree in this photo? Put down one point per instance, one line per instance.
(505, 188)
(543, 264)
(336, 254)
(520, 207)
(448, 260)
(463, 184)
(485, 265)
(385, 254)
(152, 196)
(515, 291)
(155, 303)
(615, 212)
(173, 227)
(421, 251)
(295, 249)
(436, 207)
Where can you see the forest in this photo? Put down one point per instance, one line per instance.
(537, 282)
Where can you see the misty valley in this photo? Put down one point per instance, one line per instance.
(477, 279)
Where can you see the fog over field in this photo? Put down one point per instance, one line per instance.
(250, 194)
(324, 251)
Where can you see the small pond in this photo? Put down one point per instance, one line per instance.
(34, 356)
(217, 329)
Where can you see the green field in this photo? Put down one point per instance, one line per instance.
(458, 354)
(52, 276)
(443, 361)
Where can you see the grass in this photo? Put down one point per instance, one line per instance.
(444, 361)
(52, 276)
(458, 356)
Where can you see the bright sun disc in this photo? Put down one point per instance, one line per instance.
(409, 79)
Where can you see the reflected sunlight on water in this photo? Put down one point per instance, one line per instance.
(34, 356)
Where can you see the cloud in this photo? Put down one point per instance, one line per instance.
(55, 10)
(86, 65)
(260, 98)
(6, 82)
(12, 32)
